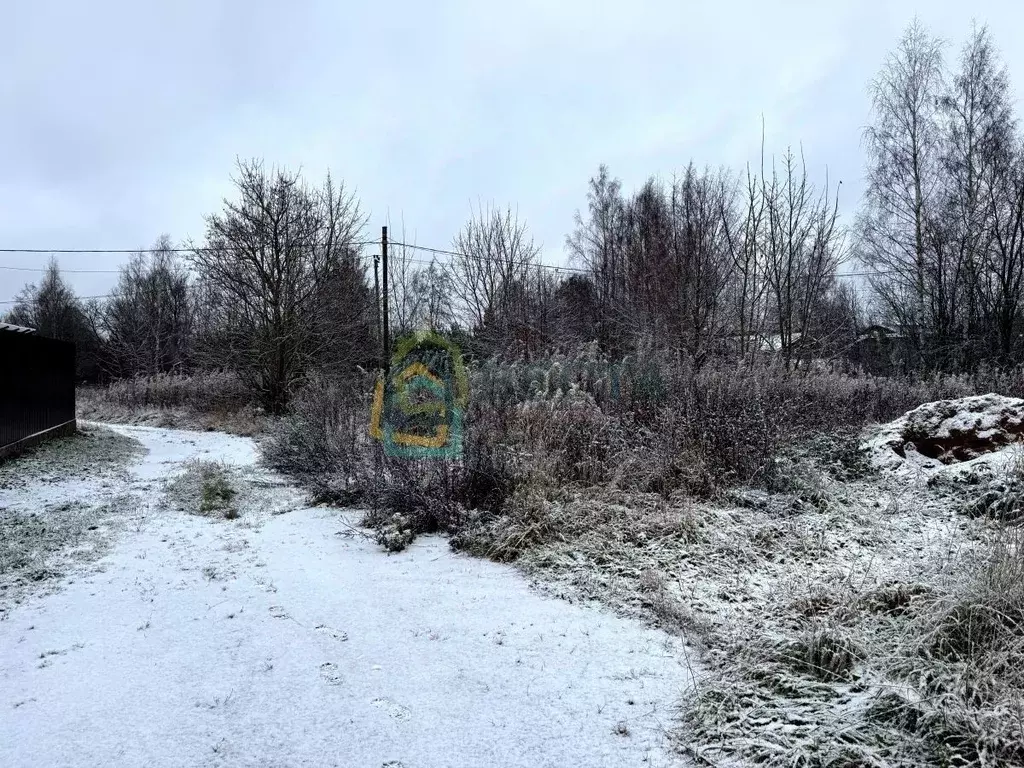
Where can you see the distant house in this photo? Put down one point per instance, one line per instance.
(880, 349)
(772, 343)
(769, 346)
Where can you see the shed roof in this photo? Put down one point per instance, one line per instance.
(16, 328)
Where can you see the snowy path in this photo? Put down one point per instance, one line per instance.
(289, 641)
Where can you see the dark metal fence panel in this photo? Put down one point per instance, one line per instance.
(37, 385)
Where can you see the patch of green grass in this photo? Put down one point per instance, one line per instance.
(205, 488)
(217, 493)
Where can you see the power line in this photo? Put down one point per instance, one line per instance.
(77, 298)
(62, 270)
(358, 243)
(444, 252)
(838, 275)
(133, 251)
(68, 271)
(867, 274)
(578, 270)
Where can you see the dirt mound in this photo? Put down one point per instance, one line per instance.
(967, 430)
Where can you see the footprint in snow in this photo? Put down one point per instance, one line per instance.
(397, 711)
(329, 673)
(336, 634)
(278, 612)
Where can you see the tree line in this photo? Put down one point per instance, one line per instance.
(707, 264)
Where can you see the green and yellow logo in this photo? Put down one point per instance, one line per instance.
(419, 407)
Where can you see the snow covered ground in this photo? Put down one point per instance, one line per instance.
(291, 640)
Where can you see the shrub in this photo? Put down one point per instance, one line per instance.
(324, 441)
(581, 421)
(204, 488)
(216, 493)
(526, 520)
(421, 493)
(205, 391)
(396, 534)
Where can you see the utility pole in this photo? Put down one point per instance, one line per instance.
(387, 325)
(376, 293)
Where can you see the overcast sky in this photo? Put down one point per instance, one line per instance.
(122, 121)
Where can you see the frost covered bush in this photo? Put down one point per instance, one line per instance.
(631, 384)
(207, 391)
(526, 520)
(421, 493)
(645, 423)
(569, 439)
(395, 533)
(324, 442)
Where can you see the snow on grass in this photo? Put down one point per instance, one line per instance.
(37, 547)
(809, 604)
(61, 505)
(92, 451)
(56, 471)
(293, 640)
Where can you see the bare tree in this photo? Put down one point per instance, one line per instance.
(744, 234)
(903, 175)
(402, 268)
(979, 146)
(575, 311)
(52, 308)
(1003, 286)
(659, 261)
(542, 310)
(494, 253)
(699, 266)
(267, 258)
(432, 290)
(148, 319)
(345, 334)
(596, 242)
(803, 248)
(976, 128)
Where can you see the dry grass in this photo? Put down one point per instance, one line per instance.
(61, 505)
(824, 617)
(32, 543)
(871, 668)
(324, 441)
(201, 401)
